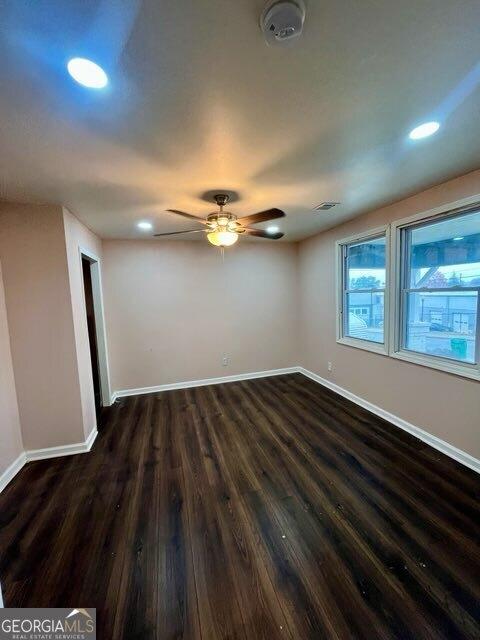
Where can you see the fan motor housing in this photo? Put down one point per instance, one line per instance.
(282, 20)
(224, 220)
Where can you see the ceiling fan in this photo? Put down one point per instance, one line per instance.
(224, 228)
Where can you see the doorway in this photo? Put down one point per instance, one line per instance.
(97, 338)
(92, 333)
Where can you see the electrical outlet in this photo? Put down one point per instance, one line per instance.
(329, 366)
(225, 361)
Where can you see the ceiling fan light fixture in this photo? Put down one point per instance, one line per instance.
(222, 228)
(222, 238)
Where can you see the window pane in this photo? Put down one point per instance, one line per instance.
(365, 264)
(446, 253)
(442, 324)
(365, 315)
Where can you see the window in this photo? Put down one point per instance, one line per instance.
(439, 288)
(411, 290)
(363, 279)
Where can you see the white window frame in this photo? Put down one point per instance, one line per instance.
(359, 343)
(396, 310)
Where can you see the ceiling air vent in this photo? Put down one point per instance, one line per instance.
(325, 206)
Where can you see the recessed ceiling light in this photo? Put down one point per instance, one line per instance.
(459, 238)
(424, 130)
(273, 229)
(87, 73)
(145, 226)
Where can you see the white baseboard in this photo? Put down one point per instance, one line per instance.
(445, 447)
(44, 454)
(65, 450)
(12, 470)
(203, 383)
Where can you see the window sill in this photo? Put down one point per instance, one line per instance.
(366, 345)
(454, 368)
(442, 365)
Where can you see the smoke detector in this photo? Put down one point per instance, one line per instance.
(282, 20)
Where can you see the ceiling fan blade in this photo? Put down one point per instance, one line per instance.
(187, 215)
(263, 234)
(262, 216)
(175, 233)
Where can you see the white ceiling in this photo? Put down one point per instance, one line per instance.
(198, 102)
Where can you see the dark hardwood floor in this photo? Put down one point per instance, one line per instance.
(271, 508)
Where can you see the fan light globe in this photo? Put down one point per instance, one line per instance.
(222, 238)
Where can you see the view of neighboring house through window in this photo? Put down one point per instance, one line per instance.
(364, 275)
(440, 285)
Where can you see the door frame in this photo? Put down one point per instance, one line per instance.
(100, 329)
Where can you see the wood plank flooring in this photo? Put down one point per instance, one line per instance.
(264, 509)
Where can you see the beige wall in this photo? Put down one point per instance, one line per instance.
(173, 309)
(77, 237)
(39, 306)
(445, 405)
(11, 445)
